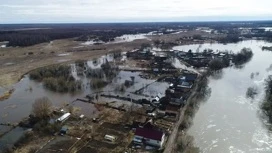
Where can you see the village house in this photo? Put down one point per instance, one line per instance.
(177, 101)
(172, 110)
(145, 54)
(184, 84)
(149, 136)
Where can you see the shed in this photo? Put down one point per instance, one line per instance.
(64, 130)
(63, 117)
(110, 138)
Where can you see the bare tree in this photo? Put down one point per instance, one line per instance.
(42, 108)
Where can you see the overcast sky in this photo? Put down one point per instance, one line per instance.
(85, 11)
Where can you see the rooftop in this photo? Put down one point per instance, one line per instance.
(149, 133)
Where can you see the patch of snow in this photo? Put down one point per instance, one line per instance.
(235, 150)
(10, 63)
(210, 126)
(129, 38)
(64, 54)
(63, 60)
(218, 130)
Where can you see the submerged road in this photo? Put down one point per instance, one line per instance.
(172, 139)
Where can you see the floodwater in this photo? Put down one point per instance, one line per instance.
(19, 105)
(10, 138)
(229, 121)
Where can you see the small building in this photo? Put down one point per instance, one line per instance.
(189, 77)
(64, 130)
(63, 117)
(177, 101)
(185, 84)
(157, 99)
(4, 44)
(110, 138)
(149, 136)
(172, 110)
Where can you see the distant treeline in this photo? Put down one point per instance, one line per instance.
(265, 36)
(32, 37)
(31, 34)
(230, 38)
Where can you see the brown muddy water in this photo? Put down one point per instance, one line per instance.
(229, 122)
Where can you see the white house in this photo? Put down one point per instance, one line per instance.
(149, 136)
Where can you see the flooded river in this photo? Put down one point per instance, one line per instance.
(229, 121)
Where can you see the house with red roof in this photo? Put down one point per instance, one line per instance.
(149, 136)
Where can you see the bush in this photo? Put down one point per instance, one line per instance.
(95, 73)
(268, 48)
(186, 143)
(98, 83)
(251, 92)
(80, 63)
(56, 78)
(42, 108)
(216, 64)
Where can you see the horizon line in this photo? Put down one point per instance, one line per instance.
(124, 22)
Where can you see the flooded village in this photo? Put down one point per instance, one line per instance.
(136, 98)
(140, 99)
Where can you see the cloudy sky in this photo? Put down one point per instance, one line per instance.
(85, 11)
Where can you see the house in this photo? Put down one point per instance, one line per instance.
(171, 110)
(140, 54)
(156, 100)
(189, 77)
(149, 108)
(149, 136)
(184, 84)
(177, 101)
(129, 83)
